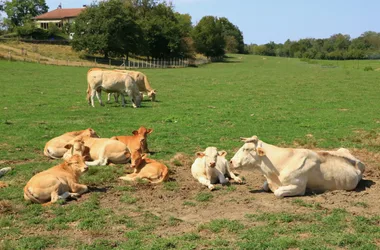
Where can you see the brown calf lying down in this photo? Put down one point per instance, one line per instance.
(101, 150)
(55, 148)
(136, 141)
(148, 169)
(59, 182)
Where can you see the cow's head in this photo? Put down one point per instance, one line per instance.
(136, 158)
(249, 155)
(76, 147)
(89, 133)
(143, 131)
(76, 164)
(210, 155)
(152, 95)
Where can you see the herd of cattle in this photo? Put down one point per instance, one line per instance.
(288, 171)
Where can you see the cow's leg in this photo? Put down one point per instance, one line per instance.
(99, 162)
(222, 180)
(122, 100)
(109, 97)
(116, 96)
(206, 182)
(129, 177)
(99, 96)
(290, 190)
(77, 189)
(232, 175)
(93, 93)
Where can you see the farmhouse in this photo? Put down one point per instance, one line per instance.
(59, 17)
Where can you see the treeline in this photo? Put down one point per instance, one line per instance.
(337, 47)
(152, 29)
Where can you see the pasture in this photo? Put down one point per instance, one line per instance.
(283, 101)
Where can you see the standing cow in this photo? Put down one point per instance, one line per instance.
(211, 167)
(290, 171)
(111, 82)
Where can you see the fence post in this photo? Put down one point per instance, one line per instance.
(95, 61)
(109, 62)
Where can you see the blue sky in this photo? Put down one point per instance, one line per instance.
(277, 20)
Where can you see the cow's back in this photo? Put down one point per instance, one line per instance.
(334, 171)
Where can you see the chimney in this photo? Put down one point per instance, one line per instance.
(84, 5)
(60, 6)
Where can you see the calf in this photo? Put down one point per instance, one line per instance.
(148, 169)
(59, 182)
(290, 171)
(55, 148)
(136, 141)
(211, 167)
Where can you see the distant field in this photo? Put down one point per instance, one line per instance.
(284, 101)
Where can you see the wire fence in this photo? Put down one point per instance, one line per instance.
(30, 56)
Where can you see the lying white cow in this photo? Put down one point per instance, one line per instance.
(290, 171)
(211, 167)
(111, 82)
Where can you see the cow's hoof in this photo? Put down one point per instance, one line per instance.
(238, 180)
(211, 187)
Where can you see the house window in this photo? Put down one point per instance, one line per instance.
(44, 26)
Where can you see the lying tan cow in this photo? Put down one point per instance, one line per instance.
(102, 151)
(142, 83)
(290, 171)
(55, 148)
(147, 169)
(111, 82)
(59, 182)
(136, 141)
(211, 167)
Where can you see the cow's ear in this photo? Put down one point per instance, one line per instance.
(135, 132)
(68, 146)
(222, 153)
(253, 139)
(149, 130)
(143, 156)
(199, 154)
(260, 151)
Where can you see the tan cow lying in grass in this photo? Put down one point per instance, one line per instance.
(111, 82)
(211, 167)
(55, 148)
(147, 169)
(59, 182)
(140, 135)
(142, 83)
(290, 171)
(102, 151)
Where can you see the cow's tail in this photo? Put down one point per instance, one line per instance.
(164, 176)
(48, 153)
(360, 166)
(28, 195)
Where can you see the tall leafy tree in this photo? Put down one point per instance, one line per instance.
(108, 29)
(232, 35)
(208, 37)
(21, 11)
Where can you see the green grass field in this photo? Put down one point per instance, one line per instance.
(284, 101)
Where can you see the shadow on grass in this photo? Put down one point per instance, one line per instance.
(97, 189)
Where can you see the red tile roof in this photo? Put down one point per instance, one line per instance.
(60, 14)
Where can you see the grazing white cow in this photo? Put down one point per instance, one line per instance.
(211, 167)
(111, 82)
(142, 83)
(290, 171)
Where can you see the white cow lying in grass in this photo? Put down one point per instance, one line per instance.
(290, 171)
(211, 167)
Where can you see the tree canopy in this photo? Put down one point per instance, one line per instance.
(21, 12)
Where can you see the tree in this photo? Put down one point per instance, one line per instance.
(231, 30)
(20, 12)
(108, 29)
(208, 37)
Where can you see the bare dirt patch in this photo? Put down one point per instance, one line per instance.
(236, 200)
